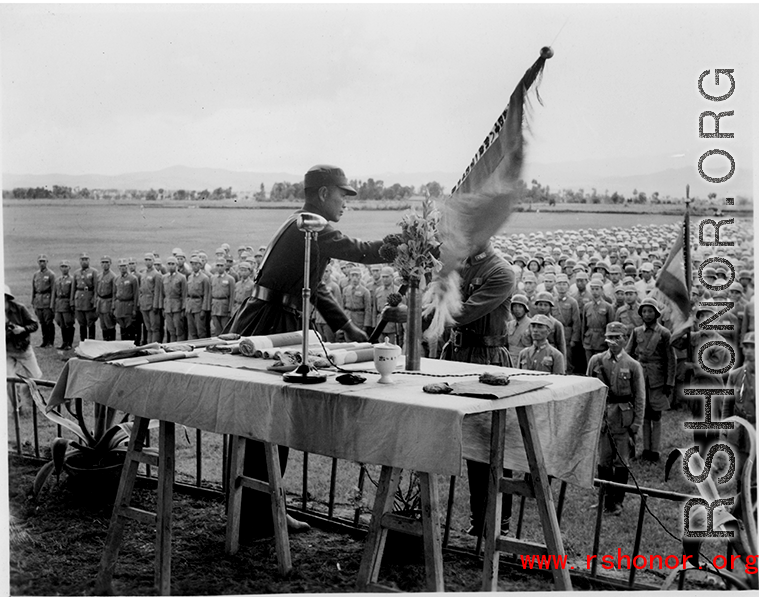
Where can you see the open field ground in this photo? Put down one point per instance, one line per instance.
(57, 527)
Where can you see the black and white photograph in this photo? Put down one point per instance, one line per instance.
(349, 297)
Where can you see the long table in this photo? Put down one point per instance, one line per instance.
(396, 426)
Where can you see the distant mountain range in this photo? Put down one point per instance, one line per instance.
(612, 175)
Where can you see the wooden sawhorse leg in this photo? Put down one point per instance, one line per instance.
(122, 509)
(539, 488)
(275, 488)
(383, 520)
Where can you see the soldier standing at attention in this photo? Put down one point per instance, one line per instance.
(567, 311)
(386, 288)
(625, 403)
(596, 315)
(138, 332)
(85, 281)
(151, 289)
(174, 292)
(543, 305)
(650, 345)
(42, 301)
(198, 301)
(106, 290)
(627, 314)
(541, 356)
(222, 297)
(357, 301)
(125, 302)
(63, 301)
(244, 286)
(518, 327)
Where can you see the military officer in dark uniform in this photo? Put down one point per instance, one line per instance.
(479, 336)
(275, 305)
(106, 290)
(63, 301)
(42, 301)
(85, 281)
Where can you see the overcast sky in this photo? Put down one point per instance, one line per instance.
(374, 88)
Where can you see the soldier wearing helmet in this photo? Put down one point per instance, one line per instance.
(544, 304)
(625, 405)
(518, 328)
(650, 345)
(567, 311)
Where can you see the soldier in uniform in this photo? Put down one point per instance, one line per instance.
(357, 301)
(275, 306)
(650, 345)
(541, 356)
(174, 292)
(222, 297)
(479, 336)
(244, 286)
(646, 283)
(63, 301)
(334, 289)
(125, 302)
(627, 314)
(85, 282)
(386, 288)
(104, 295)
(596, 314)
(42, 301)
(625, 404)
(198, 301)
(530, 283)
(151, 299)
(139, 334)
(518, 327)
(544, 303)
(567, 311)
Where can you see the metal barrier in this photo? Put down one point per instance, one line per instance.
(647, 494)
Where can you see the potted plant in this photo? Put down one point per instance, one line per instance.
(94, 459)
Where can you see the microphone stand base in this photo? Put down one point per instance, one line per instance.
(304, 374)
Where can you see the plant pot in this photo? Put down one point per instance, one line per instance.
(95, 481)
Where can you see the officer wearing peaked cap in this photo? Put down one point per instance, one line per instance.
(276, 301)
(43, 283)
(625, 403)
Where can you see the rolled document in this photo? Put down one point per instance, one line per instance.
(345, 357)
(250, 344)
(153, 358)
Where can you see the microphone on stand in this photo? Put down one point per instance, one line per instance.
(310, 224)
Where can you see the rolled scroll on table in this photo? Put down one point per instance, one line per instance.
(250, 344)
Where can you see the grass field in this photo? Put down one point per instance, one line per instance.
(63, 232)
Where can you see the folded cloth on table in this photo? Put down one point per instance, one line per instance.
(250, 344)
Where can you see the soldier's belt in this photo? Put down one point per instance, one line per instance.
(614, 399)
(270, 296)
(105, 296)
(469, 339)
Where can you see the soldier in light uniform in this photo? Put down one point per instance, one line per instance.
(544, 303)
(222, 297)
(151, 299)
(650, 345)
(357, 301)
(63, 302)
(596, 314)
(125, 301)
(229, 267)
(625, 404)
(579, 291)
(541, 356)
(530, 284)
(518, 328)
(174, 293)
(85, 281)
(646, 283)
(373, 281)
(182, 266)
(104, 295)
(43, 283)
(198, 301)
(244, 286)
(567, 311)
(627, 314)
(333, 288)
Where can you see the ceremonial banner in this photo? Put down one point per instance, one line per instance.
(672, 287)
